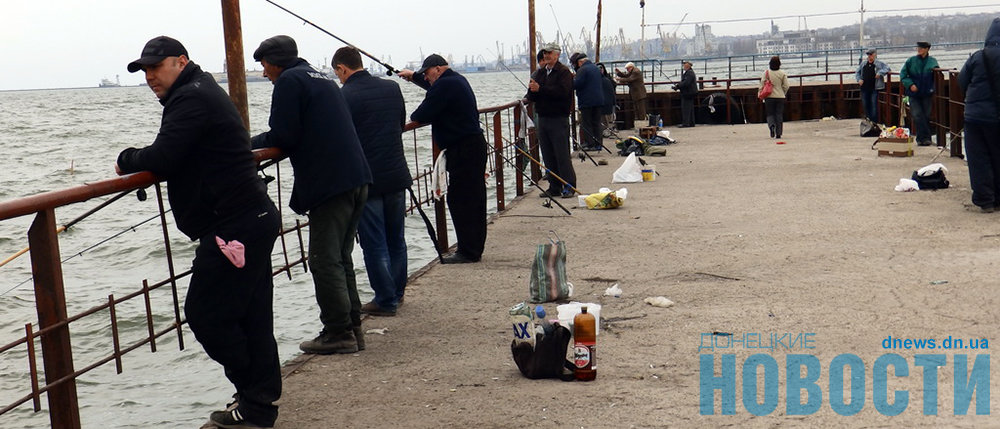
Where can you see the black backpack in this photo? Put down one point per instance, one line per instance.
(933, 181)
(548, 358)
(631, 145)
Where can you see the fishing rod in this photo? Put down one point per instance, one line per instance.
(389, 69)
(508, 68)
(66, 226)
(534, 183)
(519, 148)
(427, 223)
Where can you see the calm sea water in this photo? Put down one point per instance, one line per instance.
(55, 139)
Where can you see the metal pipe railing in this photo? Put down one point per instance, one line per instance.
(46, 266)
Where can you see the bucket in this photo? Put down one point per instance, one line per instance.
(566, 312)
(654, 120)
(649, 173)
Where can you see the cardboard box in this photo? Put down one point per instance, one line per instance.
(894, 146)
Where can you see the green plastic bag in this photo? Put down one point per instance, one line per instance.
(548, 272)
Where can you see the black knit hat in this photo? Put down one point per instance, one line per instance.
(155, 51)
(278, 50)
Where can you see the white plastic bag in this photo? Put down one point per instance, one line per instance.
(931, 169)
(629, 172)
(439, 177)
(907, 185)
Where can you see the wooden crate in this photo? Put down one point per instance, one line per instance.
(894, 146)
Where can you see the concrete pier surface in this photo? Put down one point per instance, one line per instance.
(783, 256)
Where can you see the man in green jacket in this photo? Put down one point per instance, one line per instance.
(917, 78)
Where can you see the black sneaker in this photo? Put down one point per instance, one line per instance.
(326, 343)
(232, 420)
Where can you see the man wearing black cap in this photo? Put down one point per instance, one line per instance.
(310, 121)
(551, 89)
(203, 152)
(589, 99)
(450, 108)
(871, 78)
(688, 87)
(917, 78)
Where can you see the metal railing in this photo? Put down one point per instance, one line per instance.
(818, 95)
(501, 126)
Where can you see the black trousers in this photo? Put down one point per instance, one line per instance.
(982, 150)
(467, 194)
(230, 311)
(553, 141)
(775, 110)
(687, 111)
(590, 127)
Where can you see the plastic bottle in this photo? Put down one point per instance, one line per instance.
(584, 345)
(660, 124)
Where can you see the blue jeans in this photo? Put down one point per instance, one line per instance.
(383, 242)
(920, 108)
(982, 150)
(870, 100)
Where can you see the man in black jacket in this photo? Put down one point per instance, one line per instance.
(379, 114)
(688, 87)
(203, 152)
(450, 108)
(551, 88)
(310, 121)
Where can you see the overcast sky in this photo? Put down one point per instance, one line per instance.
(75, 43)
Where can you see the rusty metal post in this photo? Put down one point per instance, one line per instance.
(532, 47)
(518, 158)
(50, 301)
(498, 159)
(235, 68)
(597, 45)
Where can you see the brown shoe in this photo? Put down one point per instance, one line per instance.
(326, 343)
(373, 309)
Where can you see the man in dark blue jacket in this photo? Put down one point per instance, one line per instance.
(450, 108)
(311, 123)
(551, 89)
(379, 114)
(203, 151)
(980, 79)
(589, 99)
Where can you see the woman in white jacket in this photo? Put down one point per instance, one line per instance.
(774, 104)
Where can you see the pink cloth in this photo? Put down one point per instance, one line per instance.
(233, 250)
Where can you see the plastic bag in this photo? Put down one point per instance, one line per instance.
(629, 172)
(604, 200)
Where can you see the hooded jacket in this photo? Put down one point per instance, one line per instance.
(980, 101)
(203, 152)
(379, 113)
(310, 122)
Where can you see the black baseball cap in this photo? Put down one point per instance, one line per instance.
(432, 60)
(155, 51)
(924, 45)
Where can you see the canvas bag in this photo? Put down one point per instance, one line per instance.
(767, 89)
(548, 272)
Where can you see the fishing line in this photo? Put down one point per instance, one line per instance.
(80, 253)
(389, 70)
(502, 63)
